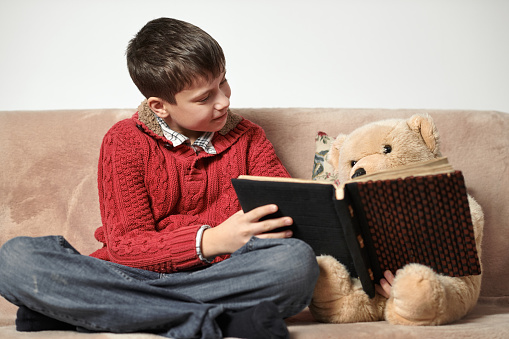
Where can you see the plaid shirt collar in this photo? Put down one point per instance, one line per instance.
(204, 141)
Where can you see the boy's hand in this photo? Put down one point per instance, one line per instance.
(236, 231)
(385, 284)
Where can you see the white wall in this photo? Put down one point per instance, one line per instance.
(60, 54)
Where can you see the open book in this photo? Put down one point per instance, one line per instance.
(412, 214)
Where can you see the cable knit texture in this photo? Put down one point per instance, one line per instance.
(154, 197)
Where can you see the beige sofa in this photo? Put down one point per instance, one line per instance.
(48, 186)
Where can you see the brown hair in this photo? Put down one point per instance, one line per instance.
(167, 55)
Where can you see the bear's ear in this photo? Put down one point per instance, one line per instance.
(333, 156)
(424, 125)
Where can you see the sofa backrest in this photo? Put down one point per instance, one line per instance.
(48, 181)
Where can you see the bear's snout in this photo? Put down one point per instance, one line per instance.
(358, 172)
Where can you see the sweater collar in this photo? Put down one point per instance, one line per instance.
(148, 118)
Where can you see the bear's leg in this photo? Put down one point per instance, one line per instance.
(338, 298)
(419, 296)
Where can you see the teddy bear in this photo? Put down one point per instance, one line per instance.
(419, 296)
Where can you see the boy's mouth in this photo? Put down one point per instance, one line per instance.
(221, 116)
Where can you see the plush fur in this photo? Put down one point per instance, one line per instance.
(419, 296)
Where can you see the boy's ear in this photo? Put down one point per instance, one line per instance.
(157, 105)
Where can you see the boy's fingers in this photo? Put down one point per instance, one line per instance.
(275, 235)
(260, 212)
(272, 224)
(261, 227)
(389, 277)
(384, 288)
(385, 284)
(381, 291)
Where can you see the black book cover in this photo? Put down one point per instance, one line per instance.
(376, 225)
(312, 207)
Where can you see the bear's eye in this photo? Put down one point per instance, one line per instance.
(352, 163)
(387, 149)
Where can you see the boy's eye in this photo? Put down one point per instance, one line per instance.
(224, 81)
(204, 99)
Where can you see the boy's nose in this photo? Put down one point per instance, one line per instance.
(222, 102)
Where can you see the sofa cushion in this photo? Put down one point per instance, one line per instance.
(322, 169)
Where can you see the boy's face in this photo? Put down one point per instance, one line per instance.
(200, 108)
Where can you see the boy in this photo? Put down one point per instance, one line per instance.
(179, 257)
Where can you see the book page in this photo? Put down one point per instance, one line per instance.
(430, 167)
(280, 179)
(417, 169)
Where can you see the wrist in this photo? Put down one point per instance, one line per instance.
(199, 236)
(210, 244)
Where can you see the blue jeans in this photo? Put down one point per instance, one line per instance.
(49, 276)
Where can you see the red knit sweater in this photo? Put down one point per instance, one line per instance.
(154, 197)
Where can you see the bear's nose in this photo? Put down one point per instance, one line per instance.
(359, 172)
